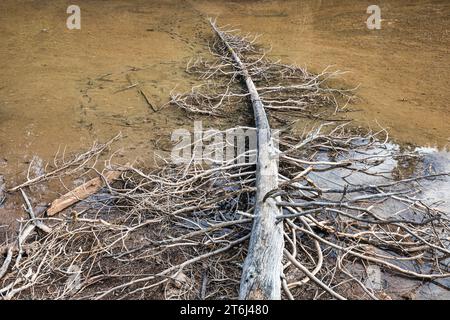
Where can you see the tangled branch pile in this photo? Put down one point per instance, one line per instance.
(183, 230)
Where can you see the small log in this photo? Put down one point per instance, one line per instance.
(261, 273)
(81, 192)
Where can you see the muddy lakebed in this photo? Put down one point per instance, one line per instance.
(62, 89)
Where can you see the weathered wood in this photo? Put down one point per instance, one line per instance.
(6, 262)
(39, 224)
(81, 192)
(261, 274)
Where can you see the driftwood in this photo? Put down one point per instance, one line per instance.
(261, 274)
(82, 192)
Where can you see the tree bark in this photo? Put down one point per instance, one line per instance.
(262, 269)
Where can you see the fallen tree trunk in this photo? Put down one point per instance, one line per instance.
(262, 270)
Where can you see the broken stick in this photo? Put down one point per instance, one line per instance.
(141, 91)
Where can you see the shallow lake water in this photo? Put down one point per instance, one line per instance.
(58, 86)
